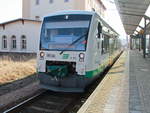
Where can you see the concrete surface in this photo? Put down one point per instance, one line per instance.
(125, 89)
(108, 96)
(139, 82)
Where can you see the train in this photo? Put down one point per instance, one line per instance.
(74, 48)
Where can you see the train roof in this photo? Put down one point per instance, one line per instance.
(106, 24)
(71, 12)
(65, 12)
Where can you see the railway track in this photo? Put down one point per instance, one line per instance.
(45, 102)
(52, 102)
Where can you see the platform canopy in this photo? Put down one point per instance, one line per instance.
(131, 12)
(148, 27)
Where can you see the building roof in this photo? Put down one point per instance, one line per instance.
(19, 19)
(131, 12)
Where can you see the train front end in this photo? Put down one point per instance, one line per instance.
(62, 52)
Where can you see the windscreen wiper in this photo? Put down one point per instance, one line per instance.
(74, 42)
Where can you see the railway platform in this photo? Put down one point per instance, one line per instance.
(125, 88)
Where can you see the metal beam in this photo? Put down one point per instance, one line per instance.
(127, 2)
(127, 7)
(130, 29)
(130, 24)
(146, 17)
(141, 27)
(132, 11)
(148, 24)
(131, 14)
(136, 31)
(130, 32)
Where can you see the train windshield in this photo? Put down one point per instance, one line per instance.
(66, 32)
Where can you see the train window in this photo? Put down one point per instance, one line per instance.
(99, 29)
(105, 44)
(98, 44)
(102, 47)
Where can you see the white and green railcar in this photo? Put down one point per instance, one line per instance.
(75, 47)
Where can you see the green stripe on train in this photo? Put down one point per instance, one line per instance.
(97, 71)
(92, 73)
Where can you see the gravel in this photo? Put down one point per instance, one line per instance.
(13, 92)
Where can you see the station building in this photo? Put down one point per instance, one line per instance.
(22, 35)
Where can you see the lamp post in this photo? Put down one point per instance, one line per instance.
(130, 42)
(144, 39)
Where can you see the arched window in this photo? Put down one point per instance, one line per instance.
(51, 1)
(4, 42)
(66, 0)
(23, 42)
(13, 42)
(37, 2)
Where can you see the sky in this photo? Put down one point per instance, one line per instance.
(113, 17)
(10, 9)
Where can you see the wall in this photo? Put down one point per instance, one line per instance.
(45, 8)
(25, 8)
(79, 4)
(30, 29)
(95, 4)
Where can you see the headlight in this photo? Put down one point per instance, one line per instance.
(81, 55)
(42, 54)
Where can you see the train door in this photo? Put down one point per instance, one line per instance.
(98, 43)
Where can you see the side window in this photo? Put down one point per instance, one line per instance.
(111, 45)
(51, 1)
(102, 45)
(23, 42)
(66, 0)
(13, 42)
(4, 42)
(99, 28)
(105, 43)
(98, 45)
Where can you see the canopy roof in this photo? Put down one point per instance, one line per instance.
(131, 12)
